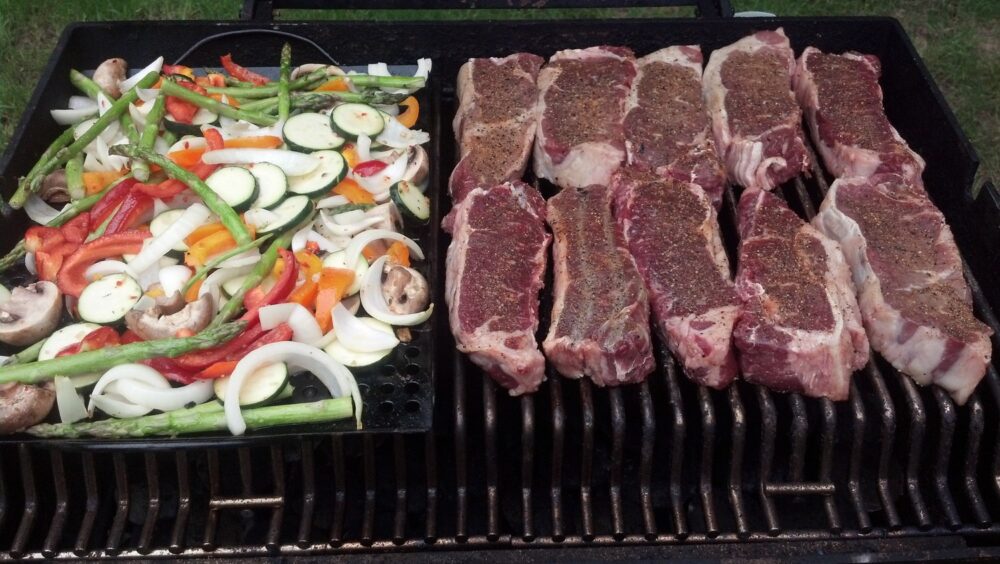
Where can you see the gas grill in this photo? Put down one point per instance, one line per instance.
(660, 469)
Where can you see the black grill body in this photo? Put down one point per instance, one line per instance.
(664, 468)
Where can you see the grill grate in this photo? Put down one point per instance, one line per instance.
(664, 463)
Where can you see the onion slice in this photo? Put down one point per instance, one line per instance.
(117, 407)
(398, 136)
(306, 235)
(332, 202)
(173, 278)
(191, 219)
(337, 379)
(294, 164)
(167, 399)
(363, 239)
(305, 329)
(357, 335)
(385, 178)
(70, 404)
(81, 102)
(213, 284)
(39, 211)
(335, 228)
(133, 371)
(73, 115)
(375, 304)
(130, 82)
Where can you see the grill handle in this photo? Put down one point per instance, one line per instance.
(263, 10)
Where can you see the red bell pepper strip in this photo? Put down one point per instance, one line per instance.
(282, 332)
(200, 359)
(213, 140)
(38, 238)
(131, 213)
(241, 73)
(181, 110)
(71, 278)
(171, 370)
(369, 168)
(50, 261)
(278, 293)
(77, 229)
(107, 205)
(97, 339)
(129, 337)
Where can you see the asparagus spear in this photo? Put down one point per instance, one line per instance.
(140, 168)
(313, 79)
(76, 208)
(74, 178)
(313, 101)
(31, 183)
(170, 88)
(284, 104)
(263, 268)
(215, 262)
(227, 216)
(206, 417)
(98, 360)
(29, 354)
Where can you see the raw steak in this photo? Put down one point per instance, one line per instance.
(580, 138)
(495, 123)
(757, 124)
(671, 230)
(600, 316)
(495, 265)
(667, 129)
(914, 299)
(800, 329)
(842, 102)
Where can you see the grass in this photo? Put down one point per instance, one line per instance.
(956, 38)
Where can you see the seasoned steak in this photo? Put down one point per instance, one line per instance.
(600, 315)
(495, 267)
(842, 102)
(800, 329)
(671, 230)
(757, 124)
(580, 138)
(667, 129)
(915, 301)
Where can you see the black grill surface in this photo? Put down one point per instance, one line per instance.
(664, 468)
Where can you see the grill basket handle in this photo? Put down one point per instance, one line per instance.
(263, 10)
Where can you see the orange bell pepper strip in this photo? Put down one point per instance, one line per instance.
(353, 192)
(94, 182)
(204, 231)
(350, 154)
(399, 254)
(333, 284)
(207, 247)
(189, 157)
(310, 266)
(409, 116)
(217, 370)
(336, 84)
(374, 250)
(192, 294)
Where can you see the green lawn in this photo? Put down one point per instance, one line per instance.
(958, 39)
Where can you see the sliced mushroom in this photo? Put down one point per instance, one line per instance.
(54, 188)
(418, 166)
(23, 405)
(110, 74)
(302, 70)
(168, 304)
(152, 324)
(31, 313)
(405, 290)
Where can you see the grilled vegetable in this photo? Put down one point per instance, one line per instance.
(271, 183)
(108, 299)
(351, 120)
(411, 201)
(235, 185)
(309, 132)
(331, 171)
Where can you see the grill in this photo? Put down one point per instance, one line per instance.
(664, 468)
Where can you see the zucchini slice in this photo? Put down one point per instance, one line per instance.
(411, 201)
(331, 171)
(351, 120)
(261, 387)
(310, 132)
(235, 185)
(108, 299)
(203, 117)
(161, 222)
(291, 212)
(271, 183)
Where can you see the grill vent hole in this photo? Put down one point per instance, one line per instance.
(412, 406)
(387, 388)
(413, 369)
(386, 407)
(412, 388)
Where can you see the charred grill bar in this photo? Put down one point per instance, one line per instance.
(664, 467)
